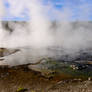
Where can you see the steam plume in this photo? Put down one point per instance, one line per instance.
(40, 33)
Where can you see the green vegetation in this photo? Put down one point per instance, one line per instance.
(21, 90)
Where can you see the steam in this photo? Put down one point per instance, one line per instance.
(36, 33)
(39, 25)
(2, 11)
(41, 33)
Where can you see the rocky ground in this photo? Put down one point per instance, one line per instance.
(21, 77)
(44, 75)
(17, 77)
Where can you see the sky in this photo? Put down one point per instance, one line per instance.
(79, 9)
